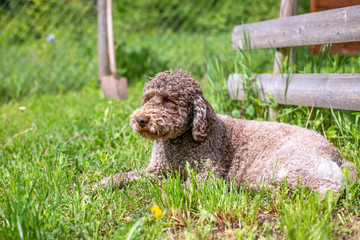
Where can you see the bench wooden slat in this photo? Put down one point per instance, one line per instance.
(332, 26)
(339, 91)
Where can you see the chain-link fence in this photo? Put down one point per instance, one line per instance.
(50, 45)
(46, 46)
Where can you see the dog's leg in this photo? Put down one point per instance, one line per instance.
(118, 180)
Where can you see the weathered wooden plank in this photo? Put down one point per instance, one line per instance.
(332, 26)
(339, 91)
(350, 48)
(322, 5)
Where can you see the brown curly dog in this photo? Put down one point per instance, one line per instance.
(185, 128)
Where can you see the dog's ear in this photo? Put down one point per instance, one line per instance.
(204, 118)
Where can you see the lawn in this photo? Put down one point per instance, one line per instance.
(76, 138)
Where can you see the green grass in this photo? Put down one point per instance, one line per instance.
(71, 136)
(36, 67)
(70, 63)
(81, 137)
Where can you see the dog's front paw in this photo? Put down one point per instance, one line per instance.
(94, 188)
(114, 182)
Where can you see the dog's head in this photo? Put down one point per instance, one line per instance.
(173, 103)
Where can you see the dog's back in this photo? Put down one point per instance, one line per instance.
(270, 152)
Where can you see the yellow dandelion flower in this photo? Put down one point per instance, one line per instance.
(41, 164)
(157, 211)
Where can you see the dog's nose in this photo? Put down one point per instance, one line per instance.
(142, 121)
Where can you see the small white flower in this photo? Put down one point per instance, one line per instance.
(110, 102)
(22, 108)
(50, 38)
(128, 218)
(74, 184)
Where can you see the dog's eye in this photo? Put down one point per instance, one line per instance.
(147, 98)
(167, 100)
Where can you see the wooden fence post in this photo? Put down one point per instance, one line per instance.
(288, 8)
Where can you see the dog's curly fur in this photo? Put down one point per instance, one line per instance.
(185, 128)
